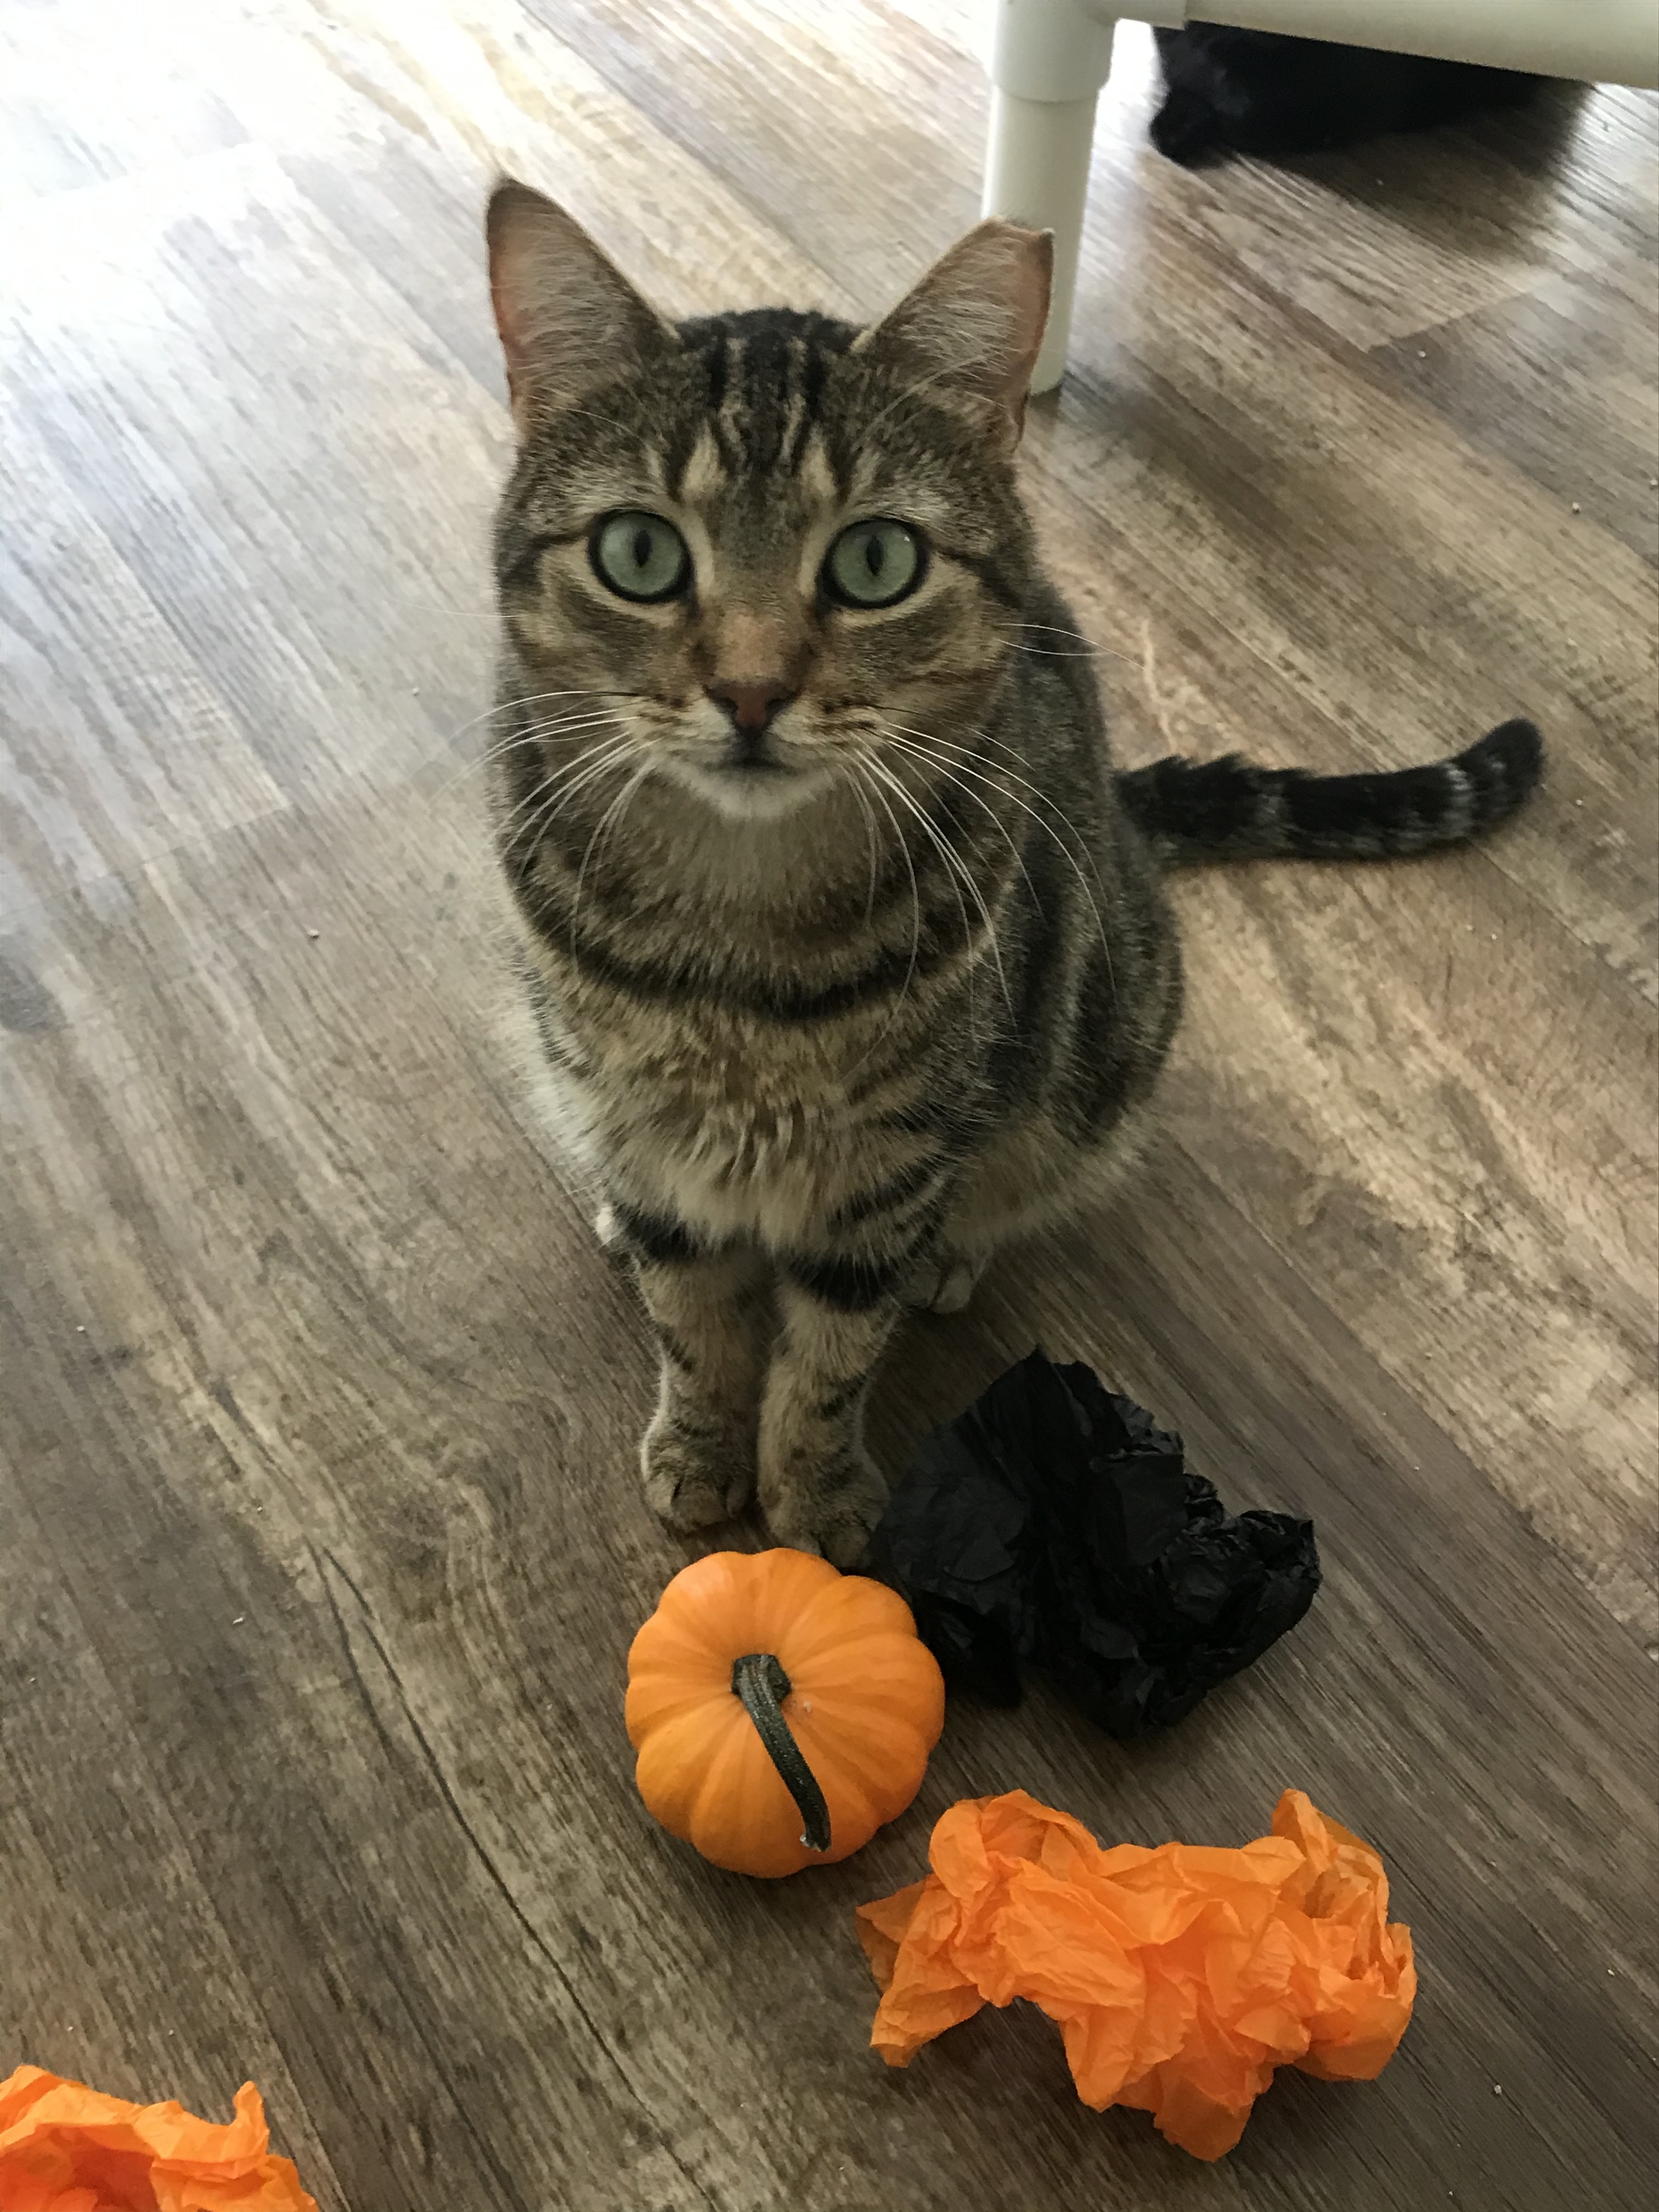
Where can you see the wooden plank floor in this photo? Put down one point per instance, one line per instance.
(320, 1543)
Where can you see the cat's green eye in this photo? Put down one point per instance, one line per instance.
(872, 564)
(639, 555)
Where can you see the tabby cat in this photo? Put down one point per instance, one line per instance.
(844, 948)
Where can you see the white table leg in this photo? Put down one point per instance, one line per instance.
(1048, 60)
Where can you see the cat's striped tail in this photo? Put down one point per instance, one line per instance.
(1226, 810)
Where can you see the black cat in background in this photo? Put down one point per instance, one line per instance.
(1255, 92)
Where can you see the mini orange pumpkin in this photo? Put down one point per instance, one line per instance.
(781, 1710)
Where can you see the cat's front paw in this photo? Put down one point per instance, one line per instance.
(833, 1512)
(694, 1477)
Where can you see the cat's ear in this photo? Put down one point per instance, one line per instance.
(568, 319)
(973, 325)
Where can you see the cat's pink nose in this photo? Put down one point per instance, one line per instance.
(751, 705)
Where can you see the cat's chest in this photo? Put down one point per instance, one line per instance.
(741, 1135)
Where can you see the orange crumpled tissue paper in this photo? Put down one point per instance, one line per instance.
(64, 2147)
(1181, 1976)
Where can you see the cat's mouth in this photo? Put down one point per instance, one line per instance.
(752, 764)
(753, 776)
(752, 752)
(749, 763)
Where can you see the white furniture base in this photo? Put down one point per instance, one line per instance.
(1050, 58)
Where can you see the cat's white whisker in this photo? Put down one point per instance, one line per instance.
(962, 767)
(852, 785)
(948, 772)
(531, 734)
(558, 799)
(612, 814)
(511, 706)
(863, 768)
(895, 786)
(961, 875)
(547, 784)
(1087, 648)
(966, 754)
(543, 806)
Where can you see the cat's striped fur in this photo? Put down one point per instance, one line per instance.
(835, 991)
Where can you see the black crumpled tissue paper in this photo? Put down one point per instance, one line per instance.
(1053, 1524)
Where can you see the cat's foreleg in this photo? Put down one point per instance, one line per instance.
(711, 1313)
(819, 1488)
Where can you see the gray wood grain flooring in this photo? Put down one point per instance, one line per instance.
(320, 1542)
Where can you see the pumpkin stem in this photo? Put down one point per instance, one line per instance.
(759, 1680)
